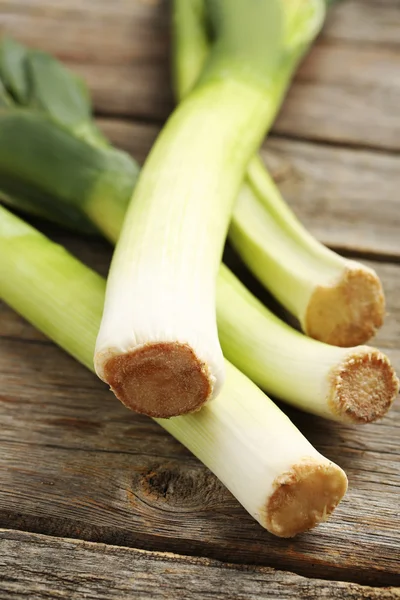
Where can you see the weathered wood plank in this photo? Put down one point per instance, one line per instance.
(75, 463)
(366, 22)
(122, 49)
(38, 567)
(82, 467)
(349, 199)
(342, 115)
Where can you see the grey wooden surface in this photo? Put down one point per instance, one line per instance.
(73, 462)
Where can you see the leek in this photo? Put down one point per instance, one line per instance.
(336, 300)
(158, 345)
(274, 472)
(355, 385)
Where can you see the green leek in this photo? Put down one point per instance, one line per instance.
(336, 300)
(253, 448)
(158, 345)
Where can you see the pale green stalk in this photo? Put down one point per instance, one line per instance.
(190, 45)
(242, 437)
(288, 260)
(336, 300)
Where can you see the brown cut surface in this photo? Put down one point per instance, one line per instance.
(304, 497)
(348, 313)
(159, 380)
(364, 387)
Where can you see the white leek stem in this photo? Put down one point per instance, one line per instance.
(158, 345)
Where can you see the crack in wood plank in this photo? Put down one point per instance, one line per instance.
(43, 567)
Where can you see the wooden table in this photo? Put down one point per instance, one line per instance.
(93, 499)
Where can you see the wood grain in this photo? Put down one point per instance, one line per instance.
(38, 567)
(349, 199)
(347, 91)
(75, 463)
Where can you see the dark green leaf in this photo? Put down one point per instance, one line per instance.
(5, 98)
(63, 215)
(53, 159)
(48, 171)
(57, 91)
(13, 69)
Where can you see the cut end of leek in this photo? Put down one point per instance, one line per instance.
(162, 380)
(365, 386)
(304, 497)
(348, 313)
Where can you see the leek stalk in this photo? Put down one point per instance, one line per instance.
(254, 449)
(158, 345)
(336, 300)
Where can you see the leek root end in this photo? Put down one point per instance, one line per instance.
(304, 497)
(365, 386)
(348, 313)
(162, 380)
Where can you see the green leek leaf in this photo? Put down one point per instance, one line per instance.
(13, 69)
(56, 91)
(5, 98)
(54, 161)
